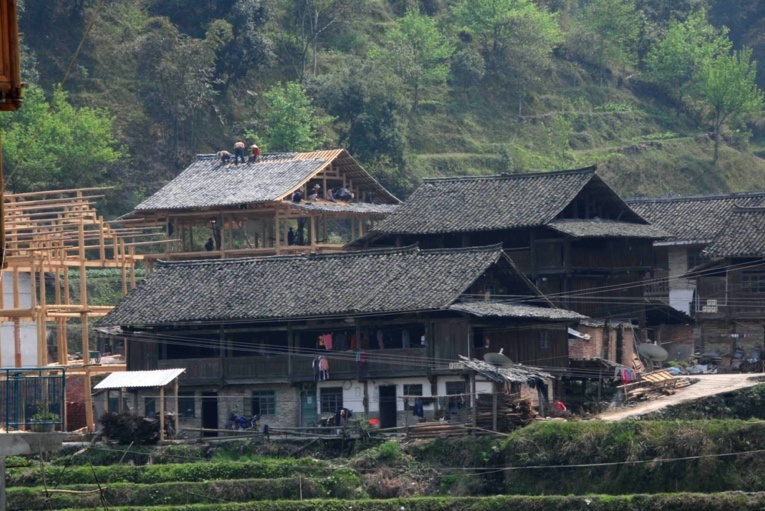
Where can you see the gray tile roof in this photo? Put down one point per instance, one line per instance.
(742, 236)
(283, 287)
(494, 309)
(694, 219)
(207, 183)
(494, 202)
(597, 228)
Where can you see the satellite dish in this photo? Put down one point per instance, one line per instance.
(653, 352)
(498, 359)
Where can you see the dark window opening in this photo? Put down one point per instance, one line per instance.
(330, 399)
(187, 404)
(264, 402)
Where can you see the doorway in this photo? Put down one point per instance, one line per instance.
(387, 406)
(309, 414)
(210, 412)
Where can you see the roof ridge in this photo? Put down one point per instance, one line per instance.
(583, 170)
(690, 198)
(481, 248)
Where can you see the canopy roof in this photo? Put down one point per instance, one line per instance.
(139, 379)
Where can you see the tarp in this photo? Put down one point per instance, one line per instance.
(139, 379)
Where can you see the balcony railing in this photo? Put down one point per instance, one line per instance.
(33, 398)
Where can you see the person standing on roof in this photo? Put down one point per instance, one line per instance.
(238, 152)
(255, 153)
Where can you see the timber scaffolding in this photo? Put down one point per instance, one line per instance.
(49, 233)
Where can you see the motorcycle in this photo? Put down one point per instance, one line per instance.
(238, 422)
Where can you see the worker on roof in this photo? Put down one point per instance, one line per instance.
(225, 156)
(238, 152)
(297, 196)
(255, 157)
(314, 192)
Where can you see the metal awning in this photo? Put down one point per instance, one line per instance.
(139, 379)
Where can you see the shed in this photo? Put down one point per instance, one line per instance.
(160, 379)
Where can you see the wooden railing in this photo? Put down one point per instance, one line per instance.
(656, 285)
(256, 368)
(197, 369)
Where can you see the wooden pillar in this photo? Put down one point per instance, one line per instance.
(494, 407)
(120, 402)
(132, 267)
(175, 404)
(66, 285)
(57, 284)
(474, 401)
(161, 414)
(16, 321)
(313, 230)
(42, 338)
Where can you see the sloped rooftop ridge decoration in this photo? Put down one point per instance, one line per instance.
(208, 183)
(378, 281)
(483, 203)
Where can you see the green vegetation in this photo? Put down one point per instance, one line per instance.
(413, 89)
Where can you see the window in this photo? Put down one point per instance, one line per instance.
(752, 282)
(149, 407)
(187, 404)
(695, 257)
(456, 389)
(330, 399)
(411, 390)
(264, 402)
(113, 404)
(544, 339)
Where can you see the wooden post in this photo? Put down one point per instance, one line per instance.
(494, 407)
(313, 230)
(474, 401)
(42, 338)
(161, 414)
(175, 404)
(120, 402)
(16, 321)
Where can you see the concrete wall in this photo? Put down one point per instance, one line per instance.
(680, 290)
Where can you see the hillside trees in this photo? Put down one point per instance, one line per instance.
(291, 121)
(611, 29)
(730, 91)
(680, 59)
(417, 51)
(58, 146)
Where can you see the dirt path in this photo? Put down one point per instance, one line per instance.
(708, 385)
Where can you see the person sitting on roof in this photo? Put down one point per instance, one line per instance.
(225, 156)
(314, 192)
(297, 196)
(238, 152)
(343, 194)
(209, 245)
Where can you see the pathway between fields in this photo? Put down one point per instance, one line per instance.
(708, 385)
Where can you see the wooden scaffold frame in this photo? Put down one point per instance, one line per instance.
(50, 233)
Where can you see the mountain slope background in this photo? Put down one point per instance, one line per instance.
(413, 89)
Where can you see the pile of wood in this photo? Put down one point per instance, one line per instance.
(437, 429)
(512, 413)
(653, 385)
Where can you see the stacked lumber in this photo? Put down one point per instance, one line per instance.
(436, 429)
(511, 413)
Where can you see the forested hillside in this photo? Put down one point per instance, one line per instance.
(663, 95)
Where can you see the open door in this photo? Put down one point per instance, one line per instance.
(387, 406)
(210, 412)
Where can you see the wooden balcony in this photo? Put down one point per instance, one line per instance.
(656, 285)
(256, 369)
(198, 370)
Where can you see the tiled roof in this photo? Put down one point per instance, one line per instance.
(282, 287)
(694, 219)
(743, 235)
(596, 228)
(513, 310)
(208, 183)
(494, 202)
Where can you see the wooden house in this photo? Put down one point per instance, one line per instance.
(568, 231)
(730, 288)
(693, 223)
(218, 210)
(390, 324)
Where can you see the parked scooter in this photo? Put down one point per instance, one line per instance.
(238, 422)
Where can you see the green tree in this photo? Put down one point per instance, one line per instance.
(610, 29)
(490, 20)
(730, 91)
(680, 59)
(291, 121)
(468, 68)
(418, 52)
(65, 147)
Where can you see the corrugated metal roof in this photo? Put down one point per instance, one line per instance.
(139, 379)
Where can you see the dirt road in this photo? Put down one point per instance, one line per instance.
(708, 385)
